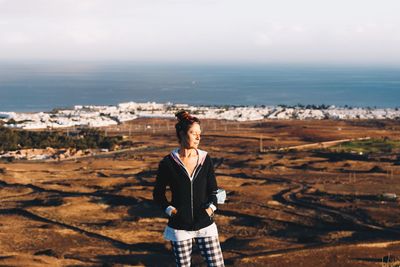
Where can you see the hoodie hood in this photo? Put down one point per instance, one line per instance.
(175, 155)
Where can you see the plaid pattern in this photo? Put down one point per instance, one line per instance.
(211, 250)
(182, 251)
(209, 247)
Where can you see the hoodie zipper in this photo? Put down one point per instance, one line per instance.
(191, 188)
(196, 172)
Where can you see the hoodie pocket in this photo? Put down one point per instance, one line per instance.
(202, 214)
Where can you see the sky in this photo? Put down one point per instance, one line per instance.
(249, 31)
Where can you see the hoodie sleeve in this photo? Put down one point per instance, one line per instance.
(161, 186)
(212, 186)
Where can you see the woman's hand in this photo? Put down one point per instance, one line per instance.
(174, 212)
(210, 212)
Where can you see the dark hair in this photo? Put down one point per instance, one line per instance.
(185, 121)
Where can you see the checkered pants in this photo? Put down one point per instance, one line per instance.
(209, 247)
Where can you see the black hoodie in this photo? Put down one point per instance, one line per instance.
(191, 198)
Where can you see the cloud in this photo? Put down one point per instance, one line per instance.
(262, 39)
(15, 38)
(207, 30)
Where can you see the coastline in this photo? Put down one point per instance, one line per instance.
(100, 116)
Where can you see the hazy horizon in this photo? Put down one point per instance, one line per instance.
(209, 31)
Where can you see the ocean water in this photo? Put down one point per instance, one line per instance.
(44, 86)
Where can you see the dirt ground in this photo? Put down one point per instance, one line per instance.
(295, 208)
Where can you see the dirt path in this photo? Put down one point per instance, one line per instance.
(317, 145)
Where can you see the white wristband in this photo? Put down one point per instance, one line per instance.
(212, 207)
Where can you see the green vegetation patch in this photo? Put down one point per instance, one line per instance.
(11, 139)
(383, 145)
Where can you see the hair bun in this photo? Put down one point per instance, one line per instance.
(182, 115)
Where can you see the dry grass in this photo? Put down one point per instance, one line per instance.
(295, 207)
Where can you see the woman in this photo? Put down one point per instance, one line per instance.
(189, 173)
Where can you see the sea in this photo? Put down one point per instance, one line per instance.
(44, 86)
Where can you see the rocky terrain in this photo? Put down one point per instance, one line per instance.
(309, 207)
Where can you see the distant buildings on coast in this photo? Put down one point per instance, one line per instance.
(98, 116)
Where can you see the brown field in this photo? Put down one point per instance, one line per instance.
(294, 208)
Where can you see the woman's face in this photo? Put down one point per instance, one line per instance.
(192, 138)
